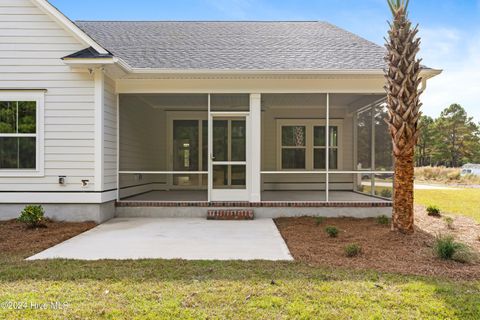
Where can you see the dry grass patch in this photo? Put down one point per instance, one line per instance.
(445, 175)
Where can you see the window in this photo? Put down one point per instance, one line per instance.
(319, 148)
(293, 147)
(302, 144)
(21, 126)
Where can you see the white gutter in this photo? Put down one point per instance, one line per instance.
(253, 71)
(87, 61)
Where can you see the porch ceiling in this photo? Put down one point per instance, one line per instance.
(285, 100)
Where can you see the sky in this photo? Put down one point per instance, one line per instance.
(450, 31)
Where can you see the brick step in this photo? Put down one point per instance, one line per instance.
(230, 214)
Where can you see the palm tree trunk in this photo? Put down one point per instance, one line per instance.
(403, 102)
(403, 194)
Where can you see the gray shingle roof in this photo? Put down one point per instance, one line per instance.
(235, 45)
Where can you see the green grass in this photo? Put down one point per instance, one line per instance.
(159, 289)
(464, 202)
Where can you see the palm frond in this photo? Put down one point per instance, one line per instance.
(396, 5)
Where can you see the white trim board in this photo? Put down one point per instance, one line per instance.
(57, 197)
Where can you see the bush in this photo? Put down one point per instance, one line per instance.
(386, 193)
(32, 216)
(464, 255)
(353, 250)
(447, 248)
(332, 231)
(433, 211)
(449, 222)
(319, 220)
(383, 220)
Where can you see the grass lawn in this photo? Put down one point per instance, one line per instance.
(156, 289)
(465, 202)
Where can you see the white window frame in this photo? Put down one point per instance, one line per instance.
(39, 98)
(309, 124)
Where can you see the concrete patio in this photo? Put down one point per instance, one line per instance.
(173, 238)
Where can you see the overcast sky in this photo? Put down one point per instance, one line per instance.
(450, 30)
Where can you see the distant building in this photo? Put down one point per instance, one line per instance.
(471, 168)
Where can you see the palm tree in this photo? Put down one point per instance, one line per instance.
(403, 81)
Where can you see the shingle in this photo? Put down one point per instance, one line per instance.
(235, 45)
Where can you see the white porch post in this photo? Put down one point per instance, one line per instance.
(327, 153)
(99, 79)
(210, 150)
(255, 147)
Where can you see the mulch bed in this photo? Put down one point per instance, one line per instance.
(382, 249)
(17, 239)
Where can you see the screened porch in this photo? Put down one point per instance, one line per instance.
(254, 148)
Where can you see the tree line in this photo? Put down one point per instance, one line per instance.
(451, 140)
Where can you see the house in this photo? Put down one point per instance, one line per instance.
(176, 118)
(471, 169)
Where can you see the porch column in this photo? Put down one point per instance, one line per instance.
(256, 147)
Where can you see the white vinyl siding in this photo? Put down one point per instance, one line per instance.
(31, 48)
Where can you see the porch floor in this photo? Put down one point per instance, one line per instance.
(275, 196)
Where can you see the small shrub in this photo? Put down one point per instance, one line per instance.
(32, 216)
(332, 231)
(464, 255)
(386, 193)
(319, 220)
(447, 248)
(449, 222)
(353, 250)
(383, 220)
(433, 211)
